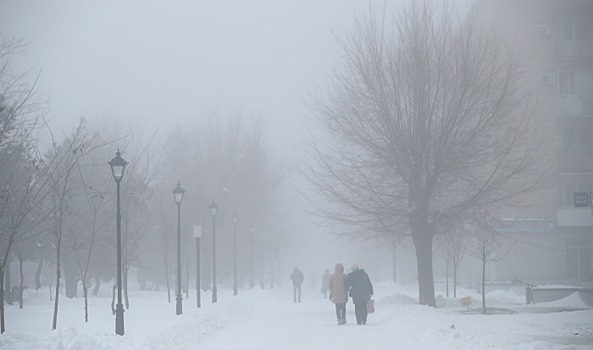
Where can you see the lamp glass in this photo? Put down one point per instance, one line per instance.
(118, 166)
(213, 208)
(178, 194)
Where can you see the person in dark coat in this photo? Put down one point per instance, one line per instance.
(361, 290)
(297, 278)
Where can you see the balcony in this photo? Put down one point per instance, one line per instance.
(575, 49)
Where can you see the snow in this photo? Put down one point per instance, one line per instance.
(572, 301)
(268, 319)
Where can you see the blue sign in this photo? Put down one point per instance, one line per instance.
(582, 199)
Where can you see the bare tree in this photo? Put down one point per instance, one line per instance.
(422, 122)
(225, 160)
(62, 162)
(457, 244)
(486, 244)
(20, 181)
(91, 216)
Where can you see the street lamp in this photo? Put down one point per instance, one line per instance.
(197, 236)
(118, 167)
(251, 254)
(178, 195)
(213, 208)
(235, 218)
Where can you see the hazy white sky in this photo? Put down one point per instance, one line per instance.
(168, 62)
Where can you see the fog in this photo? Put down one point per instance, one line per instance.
(169, 63)
(160, 65)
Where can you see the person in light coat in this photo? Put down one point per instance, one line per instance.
(338, 288)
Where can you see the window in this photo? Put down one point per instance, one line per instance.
(575, 81)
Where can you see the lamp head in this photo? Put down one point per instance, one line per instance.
(178, 194)
(213, 208)
(118, 166)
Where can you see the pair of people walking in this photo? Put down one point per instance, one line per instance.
(357, 285)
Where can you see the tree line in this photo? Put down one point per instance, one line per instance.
(57, 194)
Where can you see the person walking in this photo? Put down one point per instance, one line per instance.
(325, 282)
(361, 290)
(338, 288)
(297, 278)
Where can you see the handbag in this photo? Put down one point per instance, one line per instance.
(370, 306)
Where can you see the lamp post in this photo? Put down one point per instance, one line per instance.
(235, 218)
(118, 167)
(178, 195)
(197, 236)
(251, 255)
(213, 208)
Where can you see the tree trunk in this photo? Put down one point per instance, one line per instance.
(394, 262)
(454, 280)
(447, 276)
(71, 284)
(423, 246)
(38, 273)
(168, 286)
(271, 273)
(72, 276)
(113, 299)
(186, 285)
(55, 318)
(484, 286)
(2, 329)
(7, 281)
(86, 301)
(97, 286)
(21, 283)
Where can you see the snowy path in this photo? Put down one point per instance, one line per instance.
(281, 324)
(273, 321)
(268, 319)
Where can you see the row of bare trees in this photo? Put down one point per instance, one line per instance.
(57, 193)
(422, 129)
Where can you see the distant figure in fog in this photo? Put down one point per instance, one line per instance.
(297, 278)
(361, 290)
(338, 288)
(325, 283)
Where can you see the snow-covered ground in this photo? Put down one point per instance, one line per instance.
(268, 319)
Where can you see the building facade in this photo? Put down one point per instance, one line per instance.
(550, 240)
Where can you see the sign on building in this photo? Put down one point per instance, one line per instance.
(582, 199)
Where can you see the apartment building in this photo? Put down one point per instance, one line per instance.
(551, 240)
